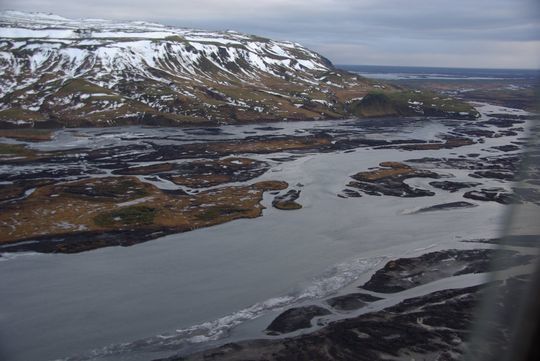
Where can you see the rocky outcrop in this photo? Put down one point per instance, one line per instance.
(295, 319)
(287, 201)
(202, 173)
(352, 301)
(405, 273)
(70, 217)
(499, 195)
(433, 327)
(452, 186)
(446, 206)
(389, 180)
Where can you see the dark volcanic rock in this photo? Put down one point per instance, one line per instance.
(507, 133)
(430, 327)
(350, 193)
(405, 273)
(287, 200)
(389, 180)
(515, 240)
(202, 173)
(509, 163)
(477, 132)
(351, 301)
(446, 206)
(205, 131)
(508, 116)
(295, 319)
(54, 173)
(506, 122)
(507, 148)
(145, 170)
(17, 189)
(498, 195)
(268, 128)
(253, 145)
(493, 175)
(452, 186)
(86, 241)
(451, 142)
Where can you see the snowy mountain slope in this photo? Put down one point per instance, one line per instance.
(59, 71)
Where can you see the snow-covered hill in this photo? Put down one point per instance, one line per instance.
(99, 72)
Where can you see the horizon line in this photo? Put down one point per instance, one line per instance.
(438, 66)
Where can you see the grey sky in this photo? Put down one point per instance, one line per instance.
(460, 33)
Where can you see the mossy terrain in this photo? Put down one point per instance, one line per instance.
(454, 142)
(521, 94)
(28, 135)
(376, 104)
(15, 150)
(127, 216)
(219, 211)
(202, 173)
(79, 85)
(79, 102)
(410, 103)
(257, 145)
(287, 205)
(199, 174)
(389, 179)
(19, 114)
(287, 201)
(175, 38)
(146, 169)
(100, 206)
(514, 98)
(270, 145)
(387, 169)
(106, 189)
(14, 190)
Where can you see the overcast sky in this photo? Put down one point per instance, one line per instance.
(456, 33)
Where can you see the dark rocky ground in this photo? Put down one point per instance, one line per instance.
(446, 206)
(499, 195)
(389, 180)
(201, 164)
(435, 326)
(453, 186)
(405, 273)
(287, 201)
(513, 240)
(431, 327)
(352, 301)
(295, 319)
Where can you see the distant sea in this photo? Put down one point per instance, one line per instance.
(409, 72)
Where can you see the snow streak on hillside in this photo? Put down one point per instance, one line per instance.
(107, 51)
(61, 72)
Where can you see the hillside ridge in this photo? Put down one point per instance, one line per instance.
(92, 72)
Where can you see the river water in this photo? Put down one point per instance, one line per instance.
(163, 296)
